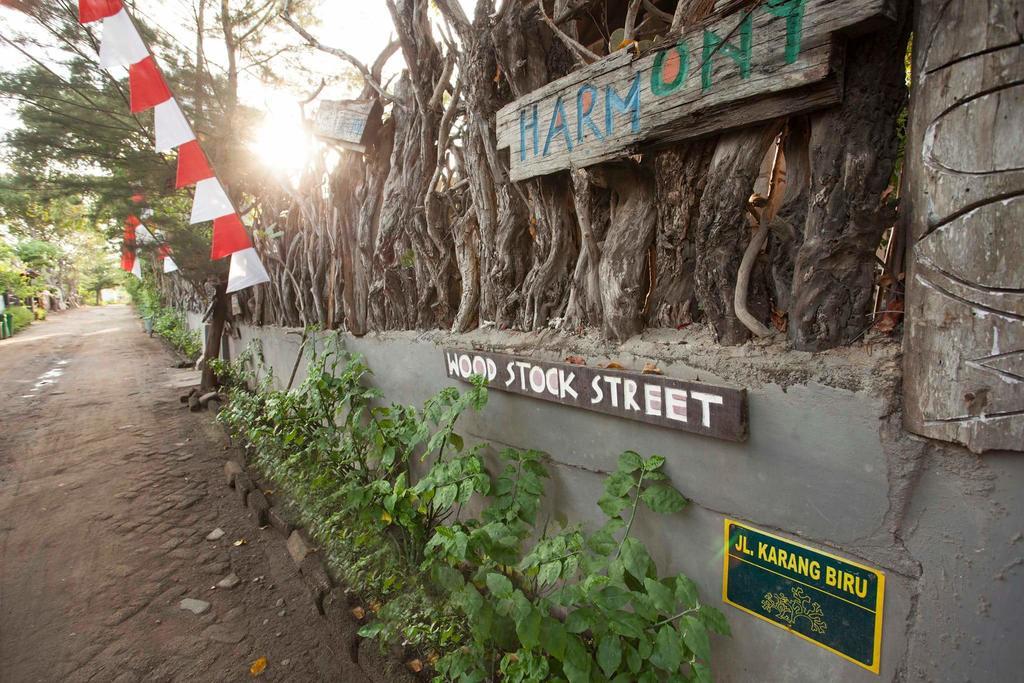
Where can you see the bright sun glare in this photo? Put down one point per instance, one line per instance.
(281, 142)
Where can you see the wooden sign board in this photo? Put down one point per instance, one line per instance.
(343, 121)
(719, 412)
(758, 61)
(834, 603)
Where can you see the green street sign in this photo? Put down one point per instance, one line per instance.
(831, 602)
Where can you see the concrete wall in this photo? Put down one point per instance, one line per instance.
(826, 464)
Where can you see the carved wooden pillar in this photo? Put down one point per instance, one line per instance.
(964, 338)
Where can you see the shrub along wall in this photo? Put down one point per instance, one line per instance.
(480, 590)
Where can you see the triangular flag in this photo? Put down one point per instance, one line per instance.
(143, 235)
(169, 265)
(229, 236)
(94, 10)
(210, 201)
(246, 270)
(121, 45)
(137, 268)
(146, 85)
(192, 165)
(172, 129)
(130, 224)
(127, 258)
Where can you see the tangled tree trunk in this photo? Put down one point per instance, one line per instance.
(214, 332)
(529, 57)
(787, 226)
(680, 174)
(501, 221)
(623, 272)
(852, 150)
(585, 307)
(723, 230)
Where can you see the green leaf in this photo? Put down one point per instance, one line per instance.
(634, 558)
(619, 484)
(663, 498)
(448, 578)
(445, 496)
(612, 505)
(686, 591)
(630, 461)
(371, 630)
(653, 463)
(626, 624)
(456, 441)
(668, 651)
(702, 673)
(553, 637)
(549, 573)
(579, 620)
(714, 620)
(660, 594)
(499, 585)
(695, 635)
(633, 660)
(528, 629)
(609, 653)
(576, 664)
(613, 597)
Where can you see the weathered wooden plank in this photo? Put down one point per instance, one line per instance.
(964, 337)
(709, 79)
(719, 412)
(343, 121)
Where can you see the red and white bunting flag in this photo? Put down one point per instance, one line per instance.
(121, 45)
(127, 258)
(94, 10)
(246, 270)
(146, 85)
(172, 130)
(192, 165)
(169, 265)
(229, 236)
(143, 235)
(210, 201)
(137, 267)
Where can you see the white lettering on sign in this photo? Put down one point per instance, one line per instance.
(649, 398)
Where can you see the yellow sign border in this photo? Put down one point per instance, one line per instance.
(879, 599)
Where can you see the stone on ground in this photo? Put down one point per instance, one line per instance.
(215, 535)
(194, 606)
(229, 581)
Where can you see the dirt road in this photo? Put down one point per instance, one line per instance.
(108, 489)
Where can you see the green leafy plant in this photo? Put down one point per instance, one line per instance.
(21, 318)
(452, 560)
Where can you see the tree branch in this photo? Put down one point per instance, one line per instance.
(368, 77)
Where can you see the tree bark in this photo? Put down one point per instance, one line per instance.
(723, 230)
(623, 272)
(680, 174)
(214, 333)
(852, 150)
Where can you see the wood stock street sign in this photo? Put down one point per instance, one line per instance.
(834, 603)
(752, 62)
(720, 412)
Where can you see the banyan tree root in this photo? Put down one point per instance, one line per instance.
(754, 247)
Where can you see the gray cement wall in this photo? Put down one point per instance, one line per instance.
(826, 464)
